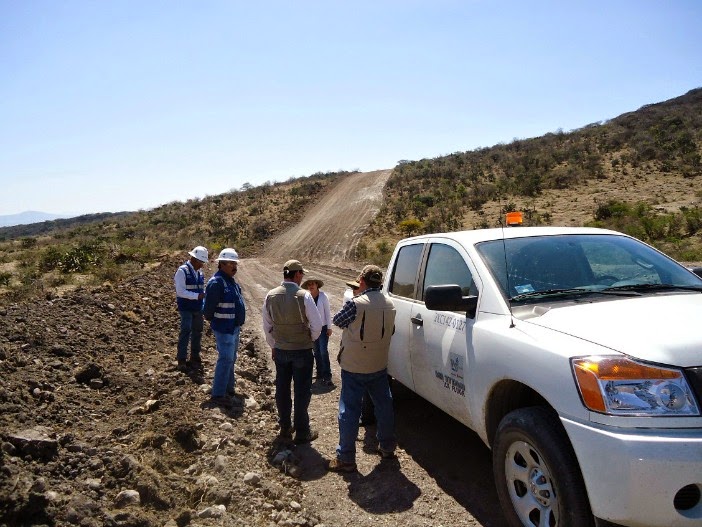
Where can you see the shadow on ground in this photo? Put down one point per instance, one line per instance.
(452, 454)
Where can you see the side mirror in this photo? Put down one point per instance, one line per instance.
(697, 271)
(450, 298)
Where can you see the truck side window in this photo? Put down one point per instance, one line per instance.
(446, 266)
(404, 274)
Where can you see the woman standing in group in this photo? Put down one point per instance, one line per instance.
(321, 345)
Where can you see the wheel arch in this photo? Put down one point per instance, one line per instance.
(506, 396)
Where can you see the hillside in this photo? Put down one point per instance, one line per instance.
(640, 173)
(651, 157)
(99, 428)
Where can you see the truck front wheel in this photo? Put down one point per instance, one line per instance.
(536, 472)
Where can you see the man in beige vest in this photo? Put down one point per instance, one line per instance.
(368, 321)
(291, 323)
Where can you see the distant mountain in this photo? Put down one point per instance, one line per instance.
(40, 227)
(27, 217)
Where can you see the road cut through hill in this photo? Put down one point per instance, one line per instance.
(331, 229)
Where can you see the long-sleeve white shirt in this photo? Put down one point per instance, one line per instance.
(179, 279)
(311, 311)
(323, 308)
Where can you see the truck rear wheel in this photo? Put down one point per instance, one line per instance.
(536, 472)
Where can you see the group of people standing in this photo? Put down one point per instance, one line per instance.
(297, 325)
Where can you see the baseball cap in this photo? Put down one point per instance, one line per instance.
(371, 274)
(293, 265)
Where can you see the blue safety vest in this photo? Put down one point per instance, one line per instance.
(231, 310)
(195, 282)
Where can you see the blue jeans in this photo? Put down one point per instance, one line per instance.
(293, 367)
(321, 355)
(353, 386)
(227, 344)
(190, 331)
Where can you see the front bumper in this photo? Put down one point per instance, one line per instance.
(637, 477)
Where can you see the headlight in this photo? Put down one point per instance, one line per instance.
(621, 386)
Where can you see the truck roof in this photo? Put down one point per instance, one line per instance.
(481, 235)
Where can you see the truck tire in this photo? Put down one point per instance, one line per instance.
(536, 472)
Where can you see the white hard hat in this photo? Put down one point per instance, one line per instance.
(228, 255)
(200, 253)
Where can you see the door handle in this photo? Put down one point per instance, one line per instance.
(417, 319)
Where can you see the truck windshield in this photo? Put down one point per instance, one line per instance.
(525, 267)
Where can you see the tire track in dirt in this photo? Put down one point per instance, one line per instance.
(330, 231)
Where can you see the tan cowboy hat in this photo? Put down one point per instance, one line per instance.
(304, 284)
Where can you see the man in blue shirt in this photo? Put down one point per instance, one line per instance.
(226, 312)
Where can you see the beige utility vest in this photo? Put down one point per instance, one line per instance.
(286, 306)
(365, 342)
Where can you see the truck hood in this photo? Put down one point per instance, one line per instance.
(665, 329)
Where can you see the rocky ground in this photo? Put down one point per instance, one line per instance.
(97, 427)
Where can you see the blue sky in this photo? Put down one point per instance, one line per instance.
(127, 105)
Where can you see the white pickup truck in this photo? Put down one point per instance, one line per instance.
(574, 353)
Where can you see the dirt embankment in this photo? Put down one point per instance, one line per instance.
(98, 428)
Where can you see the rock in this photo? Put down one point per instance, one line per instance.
(9, 449)
(52, 496)
(86, 374)
(216, 511)
(220, 463)
(79, 508)
(93, 483)
(35, 443)
(39, 486)
(207, 480)
(96, 384)
(127, 498)
(281, 456)
(251, 478)
(151, 405)
(191, 470)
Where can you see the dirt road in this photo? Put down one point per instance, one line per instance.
(331, 230)
(443, 476)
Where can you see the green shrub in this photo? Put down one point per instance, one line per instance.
(50, 258)
(410, 226)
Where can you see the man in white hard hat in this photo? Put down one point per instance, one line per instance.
(226, 312)
(291, 324)
(190, 290)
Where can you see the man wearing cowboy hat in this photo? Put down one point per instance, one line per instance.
(190, 290)
(291, 324)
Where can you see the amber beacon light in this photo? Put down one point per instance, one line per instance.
(513, 218)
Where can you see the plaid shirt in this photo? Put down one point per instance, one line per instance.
(347, 313)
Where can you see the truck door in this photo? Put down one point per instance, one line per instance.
(441, 340)
(402, 288)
